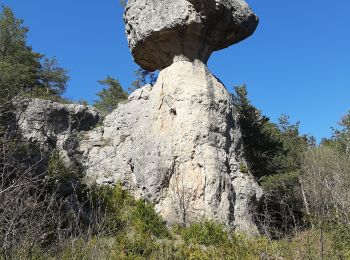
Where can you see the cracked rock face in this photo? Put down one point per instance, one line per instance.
(161, 31)
(52, 125)
(177, 144)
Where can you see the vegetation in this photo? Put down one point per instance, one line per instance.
(113, 93)
(23, 71)
(270, 148)
(143, 77)
(111, 96)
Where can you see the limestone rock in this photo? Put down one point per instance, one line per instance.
(161, 31)
(53, 125)
(180, 147)
(178, 143)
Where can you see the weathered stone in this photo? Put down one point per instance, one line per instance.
(161, 31)
(178, 143)
(53, 125)
(181, 148)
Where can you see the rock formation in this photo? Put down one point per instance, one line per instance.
(52, 125)
(160, 32)
(178, 143)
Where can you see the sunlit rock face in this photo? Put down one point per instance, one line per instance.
(161, 31)
(178, 143)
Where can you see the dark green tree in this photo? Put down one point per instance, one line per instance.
(111, 96)
(21, 68)
(261, 138)
(270, 148)
(53, 79)
(274, 152)
(19, 65)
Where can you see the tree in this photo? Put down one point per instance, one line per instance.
(123, 2)
(19, 65)
(274, 152)
(260, 137)
(21, 68)
(341, 137)
(270, 148)
(111, 96)
(143, 77)
(53, 78)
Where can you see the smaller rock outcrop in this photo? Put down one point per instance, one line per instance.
(53, 125)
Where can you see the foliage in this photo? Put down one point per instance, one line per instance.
(123, 3)
(53, 79)
(206, 233)
(260, 137)
(21, 69)
(274, 152)
(282, 207)
(326, 181)
(341, 137)
(147, 221)
(19, 65)
(270, 148)
(143, 77)
(111, 96)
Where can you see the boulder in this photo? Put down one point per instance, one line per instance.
(161, 31)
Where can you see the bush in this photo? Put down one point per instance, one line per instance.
(147, 221)
(205, 233)
(282, 207)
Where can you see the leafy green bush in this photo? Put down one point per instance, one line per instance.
(147, 221)
(205, 233)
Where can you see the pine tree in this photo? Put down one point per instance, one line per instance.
(21, 68)
(19, 65)
(111, 96)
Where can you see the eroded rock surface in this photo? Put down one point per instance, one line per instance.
(178, 145)
(52, 125)
(161, 31)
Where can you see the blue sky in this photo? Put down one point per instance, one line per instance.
(297, 62)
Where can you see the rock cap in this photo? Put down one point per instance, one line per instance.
(160, 31)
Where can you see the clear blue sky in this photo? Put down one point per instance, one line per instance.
(297, 62)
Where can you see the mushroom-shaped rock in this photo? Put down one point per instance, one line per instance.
(162, 31)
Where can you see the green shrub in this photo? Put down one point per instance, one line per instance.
(136, 245)
(146, 220)
(282, 204)
(114, 204)
(205, 233)
(340, 237)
